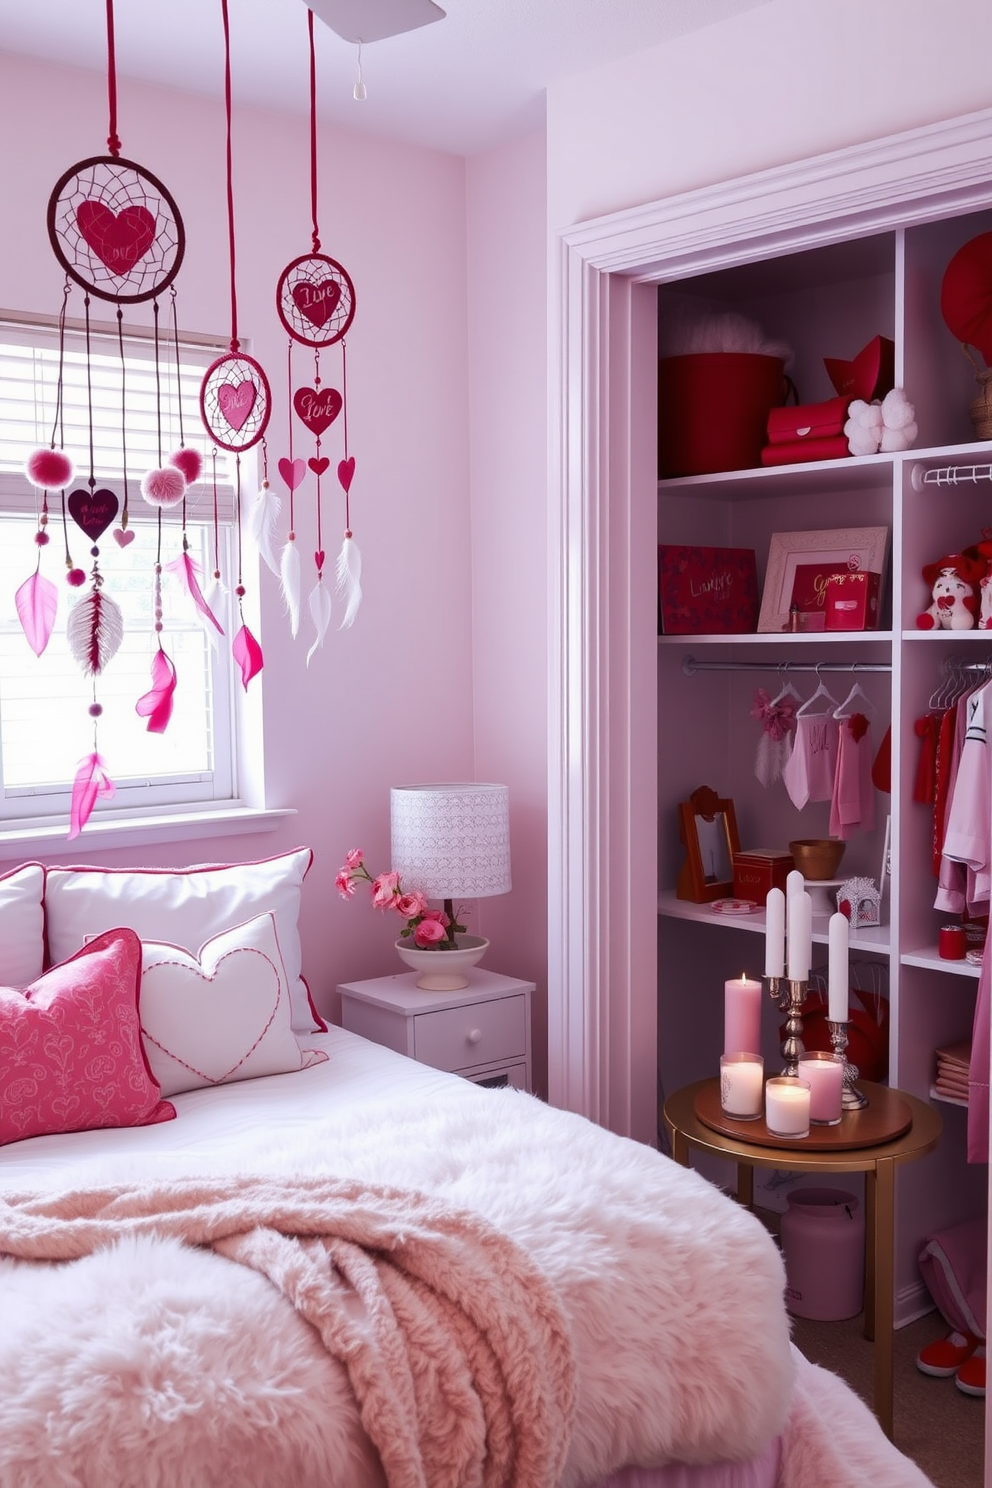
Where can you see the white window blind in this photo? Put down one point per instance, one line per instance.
(45, 726)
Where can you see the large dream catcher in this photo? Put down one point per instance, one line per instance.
(315, 300)
(116, 231)
(235, 400)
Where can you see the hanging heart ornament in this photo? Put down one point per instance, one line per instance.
(317, 408)
(116, 229)
(93, 511)
(235, 401)
(315, 299)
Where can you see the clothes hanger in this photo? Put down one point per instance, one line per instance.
(822, 691)
(787, 690)
(846, 709)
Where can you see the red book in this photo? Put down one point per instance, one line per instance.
(832, 447)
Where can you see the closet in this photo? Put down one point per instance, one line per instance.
(829, 301)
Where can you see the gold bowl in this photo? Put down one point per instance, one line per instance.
(817, 857)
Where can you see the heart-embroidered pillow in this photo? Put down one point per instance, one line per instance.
(222, 1015)
(70, 1048)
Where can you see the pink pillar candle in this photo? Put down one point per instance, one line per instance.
(742, 1016)
(825, 1073)
(787, 1106)
(740, 1085)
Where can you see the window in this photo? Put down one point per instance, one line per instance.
(45, 726)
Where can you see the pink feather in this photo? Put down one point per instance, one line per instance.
(37, 601)
(156, 704)
(188, 570)
(248, 655)
(91, 781)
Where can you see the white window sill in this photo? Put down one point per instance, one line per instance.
(26, 839)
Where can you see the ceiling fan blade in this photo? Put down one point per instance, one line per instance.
(374, 20)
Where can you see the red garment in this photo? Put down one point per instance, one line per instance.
(925, 784)
(881, 770)
(944, 772)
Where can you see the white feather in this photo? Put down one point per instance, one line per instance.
(263, 517)
(348, 574)
(289, 575)
(320, 614)
(217, 596)
(94, 631)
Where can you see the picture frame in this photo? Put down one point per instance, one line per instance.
(840, 549)
(708, 832)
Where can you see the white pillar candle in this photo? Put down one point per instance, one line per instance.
(787, 1106)
(740, 1085)
(800, 936)
(825, 1074)
(838, 936)
(774, 933)
(742, 1015)
(794, 883)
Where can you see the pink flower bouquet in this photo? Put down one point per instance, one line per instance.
(430, 929)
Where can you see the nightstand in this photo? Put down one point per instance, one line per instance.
(481, 1032)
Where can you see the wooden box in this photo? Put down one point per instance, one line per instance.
(759, 869)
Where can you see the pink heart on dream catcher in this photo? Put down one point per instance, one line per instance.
(318, 558)
(319, 466)
(346, 473)
(118, 239)
(318, 410)
(292, 472)
(93, 511)
(122, 537)
(236, 401)
(317, 302)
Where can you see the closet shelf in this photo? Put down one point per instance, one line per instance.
(946, 1100)
(928, 958)
(814, 639)
(873, 938)
(811, 478)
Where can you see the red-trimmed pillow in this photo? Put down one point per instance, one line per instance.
(71, 1056)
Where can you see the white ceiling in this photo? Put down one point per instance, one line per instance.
(463, 84)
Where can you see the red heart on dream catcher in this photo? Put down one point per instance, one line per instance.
(318, 558)
(346, 473)
(318, 410)
(93, 511)
(236, 401)
(317, 302)
(319, 466)
(118, 239)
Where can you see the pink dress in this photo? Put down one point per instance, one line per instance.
(809, 770)
(852, 804)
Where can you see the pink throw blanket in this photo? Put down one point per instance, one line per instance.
(454, 1342)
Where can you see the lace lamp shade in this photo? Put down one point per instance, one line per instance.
(451, 841)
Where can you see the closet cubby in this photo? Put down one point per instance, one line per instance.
(829, 302)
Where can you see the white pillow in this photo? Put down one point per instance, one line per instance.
(186, 906)
(22, 925)
(221, 1016)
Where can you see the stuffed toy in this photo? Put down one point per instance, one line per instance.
(888, 425)
(954, 587)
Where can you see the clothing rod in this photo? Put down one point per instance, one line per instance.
(950, 475)
(690, 666)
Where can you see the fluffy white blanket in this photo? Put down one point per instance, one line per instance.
(153, 1364)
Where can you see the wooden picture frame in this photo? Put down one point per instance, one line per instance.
(708, 831)
(841, 548)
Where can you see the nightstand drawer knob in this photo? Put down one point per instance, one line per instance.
(474, 1035)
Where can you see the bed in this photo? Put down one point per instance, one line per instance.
(355, 1271)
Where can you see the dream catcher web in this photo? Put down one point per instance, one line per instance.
(235, 398)
(315, 300)
(117, 232)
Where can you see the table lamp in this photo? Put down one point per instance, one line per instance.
(450, 841)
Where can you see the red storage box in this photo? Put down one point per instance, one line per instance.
(759, 869)
(713, 410)
(852, 601)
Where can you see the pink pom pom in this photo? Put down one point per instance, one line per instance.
(164, 487)
(49, 469)
(189, 462)
(75, 578)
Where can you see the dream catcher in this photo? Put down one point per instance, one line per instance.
(117, 233)
(234, 397)
(315, 299)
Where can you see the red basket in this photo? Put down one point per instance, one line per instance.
(713, 409)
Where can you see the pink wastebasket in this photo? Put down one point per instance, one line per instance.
(823, 1240)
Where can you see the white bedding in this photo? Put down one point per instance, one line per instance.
(672, 1292)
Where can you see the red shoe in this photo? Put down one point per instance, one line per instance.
(945, 1356)
(971, 1376)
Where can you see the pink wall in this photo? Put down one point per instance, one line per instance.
(507, 340)
(390, 700)
(780, 82)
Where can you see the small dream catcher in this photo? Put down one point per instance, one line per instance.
(315, 300)
(118, 234)
(235, 399)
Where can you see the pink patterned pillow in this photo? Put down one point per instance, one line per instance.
(70, 1048)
